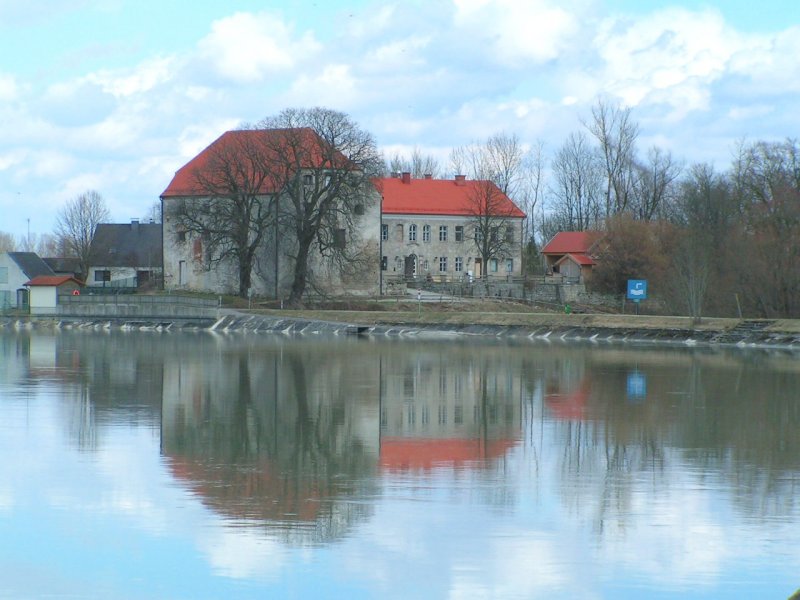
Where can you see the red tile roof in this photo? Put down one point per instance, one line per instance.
(571, 242)
(438, 197)
(51, 280)
(260, 145)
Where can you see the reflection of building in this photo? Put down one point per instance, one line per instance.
(439, 412)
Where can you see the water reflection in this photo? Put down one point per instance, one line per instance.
(663, 457)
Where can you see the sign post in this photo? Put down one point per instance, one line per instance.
(637, 291)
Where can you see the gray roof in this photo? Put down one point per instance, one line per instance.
(31, 264)
(126, 245)
(66, 265)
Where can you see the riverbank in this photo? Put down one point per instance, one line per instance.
(594, 328)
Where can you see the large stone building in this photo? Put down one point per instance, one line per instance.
(432, 229)
(265, 171)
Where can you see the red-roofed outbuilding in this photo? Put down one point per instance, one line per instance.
(570, 254)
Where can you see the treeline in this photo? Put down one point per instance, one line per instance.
(710, 242)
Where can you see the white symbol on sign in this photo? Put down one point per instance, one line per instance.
(638, 289)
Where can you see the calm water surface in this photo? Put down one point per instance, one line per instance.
(147, 465)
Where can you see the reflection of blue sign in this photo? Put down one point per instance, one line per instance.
(637, 289)
(637, 386)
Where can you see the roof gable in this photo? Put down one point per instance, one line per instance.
(571, 242)
(126, 245)
(445, 197)
(30, 264)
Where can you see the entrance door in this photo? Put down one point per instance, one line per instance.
(410, 270)
(478, 268)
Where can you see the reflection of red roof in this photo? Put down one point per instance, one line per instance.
(51, 280)
(571, 242)
(257, 493)
(570, 407)
(441, 197)
(580, 259)
(403, 454)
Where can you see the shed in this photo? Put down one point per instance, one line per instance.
(45, 290)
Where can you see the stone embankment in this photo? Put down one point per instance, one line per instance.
(746, 334)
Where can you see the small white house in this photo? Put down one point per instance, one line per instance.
(45, 290)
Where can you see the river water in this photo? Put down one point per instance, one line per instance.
(192, 465)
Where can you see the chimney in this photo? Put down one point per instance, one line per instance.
(461, 180)
(428, 176)
(406, 177)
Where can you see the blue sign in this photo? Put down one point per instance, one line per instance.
(636, 387)
(637, 289)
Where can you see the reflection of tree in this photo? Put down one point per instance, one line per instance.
(725, 414)
(270, 437)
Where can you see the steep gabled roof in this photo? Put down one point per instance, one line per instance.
(446, 197)
(51, 280)
(571, 242)
(126, 245)
(264, 145)
(30, 264)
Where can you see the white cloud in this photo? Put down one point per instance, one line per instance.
(143, 78)
(516, 31)
(246, 47)
(242, 554)
(8, 88)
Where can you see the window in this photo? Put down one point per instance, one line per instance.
(358, 209)
(493, 234)
(478, 235)
(459, 233)
(384, 232)
(3, 274)
(509, 265)
(442, 233)
(442, 264)
(412, 233)
(182, 272)
(458, 414)
(181, 236)
(459, 264)
(102, 275)
(493, 265)
(308, 179)
(426, 233)
(510, 234)
(339, 238)
(384, 263)
(425, 265)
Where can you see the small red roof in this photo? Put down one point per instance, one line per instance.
(439, 197)
(258, 147)
(581, 259)
(571, 242)
(51, 280)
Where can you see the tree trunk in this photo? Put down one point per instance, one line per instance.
(300, 273)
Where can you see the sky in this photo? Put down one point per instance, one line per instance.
(116, 95)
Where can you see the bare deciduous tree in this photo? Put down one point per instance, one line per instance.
(492, 229)
(236, 210)
(7, 242)
(574, 204)
(616, 133)
(76, 223)
(419, 165)
(325, 163)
